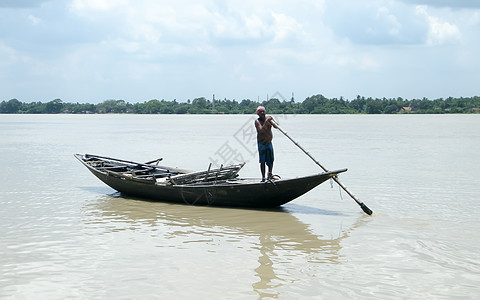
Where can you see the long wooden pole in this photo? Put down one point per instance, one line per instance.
(367, 210)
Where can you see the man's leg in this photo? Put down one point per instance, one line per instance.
(270, 171)
(269, 161)
(262, 169)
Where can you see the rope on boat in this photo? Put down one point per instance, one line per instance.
(339, 188)
(340, 192)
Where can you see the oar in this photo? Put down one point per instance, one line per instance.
(367, 210)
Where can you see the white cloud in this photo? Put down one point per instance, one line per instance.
(160, 21)
(285, 27)
(9, 56)
(85, 6)
(441, 32)
(34, 19)
(377, 22)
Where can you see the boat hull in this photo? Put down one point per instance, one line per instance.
(234, 192)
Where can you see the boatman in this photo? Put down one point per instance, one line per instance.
(264, 141)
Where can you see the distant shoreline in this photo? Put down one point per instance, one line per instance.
(317, 104)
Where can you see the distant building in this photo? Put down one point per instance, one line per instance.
(406, 108)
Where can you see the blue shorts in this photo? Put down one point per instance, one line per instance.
(265, 153)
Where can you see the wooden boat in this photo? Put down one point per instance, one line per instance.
(219, 187)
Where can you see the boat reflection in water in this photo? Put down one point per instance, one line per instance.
(279, 242)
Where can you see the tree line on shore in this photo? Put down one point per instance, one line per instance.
(316, 104)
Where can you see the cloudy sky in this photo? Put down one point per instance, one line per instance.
(137, 50)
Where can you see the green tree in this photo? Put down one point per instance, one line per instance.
(359, 104)
(273, 105)
(34, 108)
(12, 106)
(390, 109)
(374, 106)
(182, 109)
(153, 107)
(54, 106)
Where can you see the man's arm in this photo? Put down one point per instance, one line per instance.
(271, 121)
(258, 126)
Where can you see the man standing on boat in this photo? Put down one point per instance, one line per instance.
(264, 141)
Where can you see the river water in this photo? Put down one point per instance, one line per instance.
(64, 234)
